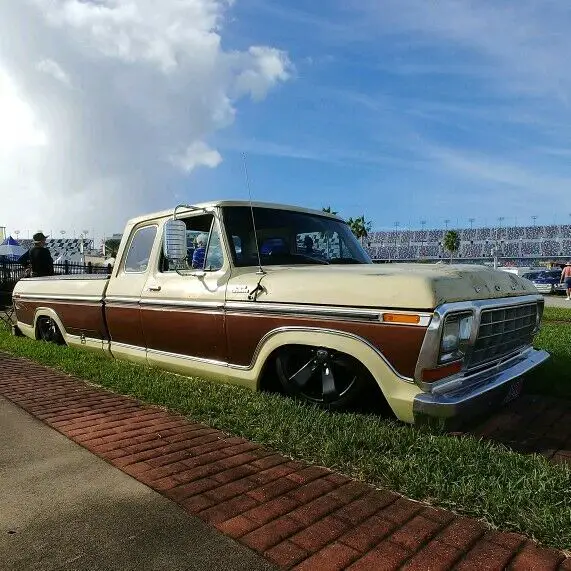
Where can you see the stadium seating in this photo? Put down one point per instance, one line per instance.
(526, 245)
(63, 248)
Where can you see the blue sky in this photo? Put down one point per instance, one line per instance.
(404, 110)
(405, 121)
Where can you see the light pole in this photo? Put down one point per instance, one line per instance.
(85, 233)
(81, 255)
(494, 253)
(534, 218)
(471, 223)
(446, 223)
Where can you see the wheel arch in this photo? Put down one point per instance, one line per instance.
(397, 390)
(49, 312)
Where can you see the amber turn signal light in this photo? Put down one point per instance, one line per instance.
(410, 318)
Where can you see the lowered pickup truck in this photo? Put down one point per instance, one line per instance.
(267, 295)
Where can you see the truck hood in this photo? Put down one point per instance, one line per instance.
(404, 286)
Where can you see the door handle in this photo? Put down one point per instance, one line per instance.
(155, 288)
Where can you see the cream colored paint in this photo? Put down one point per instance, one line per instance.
(403, 286)
(54, 287)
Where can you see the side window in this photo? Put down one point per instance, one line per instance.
(137, 259)
(214, 257)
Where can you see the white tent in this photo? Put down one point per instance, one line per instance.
(11, 249)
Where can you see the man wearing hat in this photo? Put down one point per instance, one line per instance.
(38, 257)
(566, 277)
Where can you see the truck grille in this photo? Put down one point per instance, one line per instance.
(503, 331)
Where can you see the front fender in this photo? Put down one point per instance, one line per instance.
(398, 391)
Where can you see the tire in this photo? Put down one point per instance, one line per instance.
(47, 330)
(327, 378)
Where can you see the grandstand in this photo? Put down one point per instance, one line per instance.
(64, 249)
(516, 245)
(524, 245)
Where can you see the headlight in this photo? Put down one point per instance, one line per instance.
(455, 333)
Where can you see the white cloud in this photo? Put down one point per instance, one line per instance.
(268, 66)
(18, 126)
(152, 81)
(197, 154)
(52, 68)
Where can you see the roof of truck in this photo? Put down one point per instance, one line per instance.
(215, 203)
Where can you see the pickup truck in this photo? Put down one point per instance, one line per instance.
(274, 296)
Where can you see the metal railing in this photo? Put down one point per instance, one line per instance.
(11, 272)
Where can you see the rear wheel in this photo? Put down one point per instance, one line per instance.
(325, 377)
(48, 330)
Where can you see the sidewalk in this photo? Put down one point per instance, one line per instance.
(293, 514)
(64, 508)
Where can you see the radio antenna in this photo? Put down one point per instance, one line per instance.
(260, 269)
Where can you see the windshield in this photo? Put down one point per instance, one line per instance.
(287, 237)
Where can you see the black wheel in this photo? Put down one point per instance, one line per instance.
(325, 377)
(49, 331)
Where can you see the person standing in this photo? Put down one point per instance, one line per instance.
(38, 258)
(199, 253)
(566, 277)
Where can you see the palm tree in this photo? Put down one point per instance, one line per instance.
(112, 247)
(329, 211)
(360, 227)
(452, 242)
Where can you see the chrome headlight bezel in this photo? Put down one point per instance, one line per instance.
(456, 333)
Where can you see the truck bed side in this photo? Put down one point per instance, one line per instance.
(76, 300)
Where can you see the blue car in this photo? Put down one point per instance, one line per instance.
(549, 282)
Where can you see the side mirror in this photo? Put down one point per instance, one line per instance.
(174, 242)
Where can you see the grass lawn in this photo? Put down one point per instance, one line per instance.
(557, 314)
(554, 377)
(477, 478)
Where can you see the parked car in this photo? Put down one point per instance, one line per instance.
(549, 282)
(532, 275)
(440, 341)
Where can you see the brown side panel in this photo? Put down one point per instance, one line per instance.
(400, 344)
(124, 324)
(76, 317)
(25, 311)
(185, 332)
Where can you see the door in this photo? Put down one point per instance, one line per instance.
(122, 309)
(183, 311)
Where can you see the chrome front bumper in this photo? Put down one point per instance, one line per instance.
(470, 396)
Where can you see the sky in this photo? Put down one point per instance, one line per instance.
(401, 110)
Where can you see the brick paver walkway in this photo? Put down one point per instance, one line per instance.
(297, 515)
(532, 423)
